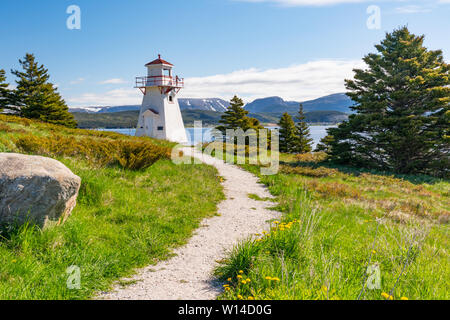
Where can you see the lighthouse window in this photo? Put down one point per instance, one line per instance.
(160, 128)
(170, 99)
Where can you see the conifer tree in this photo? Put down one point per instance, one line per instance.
(287, 134)
(36, 97)
(235, 117)
(325, 144)
(303, 143)
(402, 118)
(5, 92)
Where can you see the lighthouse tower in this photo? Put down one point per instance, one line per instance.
(160, 115)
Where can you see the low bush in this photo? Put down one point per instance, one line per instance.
(309, 171)
(129, 154)
(312, 157)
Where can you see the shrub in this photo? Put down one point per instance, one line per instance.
(333, 189)
(309, 171)
(312, 157)
(139, 155)
(129, 154)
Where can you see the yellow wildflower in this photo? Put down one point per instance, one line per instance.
(239, 297)
(239, 277)
(229, 279)
(387, 296)
(241, 272)
(251, 298)
(404, 298)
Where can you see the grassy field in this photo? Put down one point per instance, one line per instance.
(337, 222)
(129, 213)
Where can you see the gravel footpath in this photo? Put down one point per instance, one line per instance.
(188, 275)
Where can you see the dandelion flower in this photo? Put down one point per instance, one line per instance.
(387, 296)
(239, 277)
(239, 297)
(241, 272)
(404, 298)
(251, 298)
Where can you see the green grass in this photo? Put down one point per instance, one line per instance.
(329, 232)
(124, 219)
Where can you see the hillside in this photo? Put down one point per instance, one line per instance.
(338, 220)
(128, 119)
(335, 102)
(126, 217)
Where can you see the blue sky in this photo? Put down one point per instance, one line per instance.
(296, 49)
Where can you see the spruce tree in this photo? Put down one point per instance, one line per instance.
(37, 98)
(303, 143)
(287, 134)
(402, 118)
(5, 92)
(234, 117)
(325, 144)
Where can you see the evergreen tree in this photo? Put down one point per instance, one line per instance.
(37, 98)
(325, 144)
(303, 139)
(402, 114)
(235, 117)
(5, 93)
(287, 134)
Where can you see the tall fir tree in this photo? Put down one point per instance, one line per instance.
(287, 134)
(303, 143)
(235, 117)
(37, 98)
(5, 92)
(402, 118)
(325, 144)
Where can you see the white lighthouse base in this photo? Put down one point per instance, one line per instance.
(160, 117)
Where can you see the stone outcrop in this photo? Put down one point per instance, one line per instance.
(35, 189)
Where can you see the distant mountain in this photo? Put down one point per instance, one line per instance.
(104, 109)
(271, 105)
(335, 102)
(128, 119)
(210, 104)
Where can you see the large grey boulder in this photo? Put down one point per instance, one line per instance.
(40, 190)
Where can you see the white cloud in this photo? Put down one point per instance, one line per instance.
(308, 2)
(113, 81)
(298, 82)
(77, 81)
(413, 9)
(318, 3)
(122, 96)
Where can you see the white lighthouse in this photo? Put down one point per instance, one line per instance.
(160, 115)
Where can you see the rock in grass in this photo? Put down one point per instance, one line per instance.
(35, 189)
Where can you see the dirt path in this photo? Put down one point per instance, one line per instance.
(188, 275)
